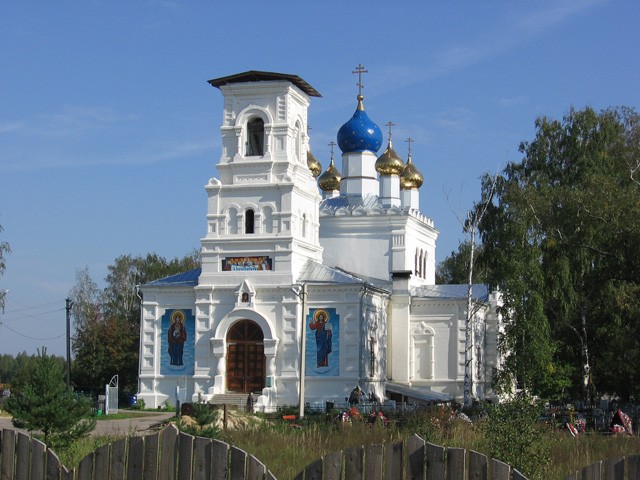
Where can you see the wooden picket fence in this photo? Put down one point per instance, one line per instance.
(170, 454)
(145, 457)
(625, 468)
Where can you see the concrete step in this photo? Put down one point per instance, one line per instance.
(235, 399)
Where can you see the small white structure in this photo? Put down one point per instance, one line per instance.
(327, 278)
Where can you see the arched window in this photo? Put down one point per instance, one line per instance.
(304, 225)
(255, 137)
(297, 145)
(424, 265)
(248, 221)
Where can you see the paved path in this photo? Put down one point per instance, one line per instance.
(138, 425)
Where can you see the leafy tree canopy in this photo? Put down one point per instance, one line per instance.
(107, 321)
(561, 241)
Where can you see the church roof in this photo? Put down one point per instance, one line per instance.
(258, 76)
(314, 272)
(451, 292)
(184, 279)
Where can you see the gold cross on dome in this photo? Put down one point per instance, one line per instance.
(360, 70)
(390, 124)
(332, 144)
(409, 141)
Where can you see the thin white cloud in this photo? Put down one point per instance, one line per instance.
(12, 127)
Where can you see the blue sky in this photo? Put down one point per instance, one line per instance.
(109, 131)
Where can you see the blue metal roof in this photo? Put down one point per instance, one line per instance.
(184, 279)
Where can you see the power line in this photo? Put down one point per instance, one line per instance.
(31, 315)
(28, 336)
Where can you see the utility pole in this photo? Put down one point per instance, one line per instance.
(68, 308)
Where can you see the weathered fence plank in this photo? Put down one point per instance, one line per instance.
(518, 476)
(456, 464)
(167, 451)
(151, 453)
(202, 459)
(373, 455)
(53, 465)
(394, 464)
(38, 451)
(477, 466)
(238, 463)
(118, 460)
(332, 465)
(353, 463)
(436, 466)
(102, 459)
(500, 470)
(185, 456)
(313, 471)
(255, 469)
(66, 474)
(8, 454)
(592, 472)
(633, 462)
(416, 457)
(219, 460)
(614, 469)
(135, 458)
(22, 455)
(85, 467)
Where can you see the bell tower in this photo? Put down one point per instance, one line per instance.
(263, 211)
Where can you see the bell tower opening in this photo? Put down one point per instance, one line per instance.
(255, 138)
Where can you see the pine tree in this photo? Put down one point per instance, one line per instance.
(44, 404)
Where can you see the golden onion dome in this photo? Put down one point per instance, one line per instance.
(330, 179)
(389, 163)
(313, 164)
(410, 176)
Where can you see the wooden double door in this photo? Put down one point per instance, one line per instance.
(245, 358)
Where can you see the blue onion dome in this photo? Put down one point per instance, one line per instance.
(389, 163)
(330, 179)
(411, 176)
(313, 164)
(360, 133)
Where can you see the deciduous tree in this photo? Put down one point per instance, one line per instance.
(562, 239)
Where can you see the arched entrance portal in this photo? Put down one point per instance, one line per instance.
(245, 357)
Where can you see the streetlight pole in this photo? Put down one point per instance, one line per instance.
(303, 347)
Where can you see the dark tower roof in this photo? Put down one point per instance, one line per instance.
(257, 76)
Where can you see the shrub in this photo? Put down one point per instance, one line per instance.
(513, 434)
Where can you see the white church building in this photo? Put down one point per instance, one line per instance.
(311, 282)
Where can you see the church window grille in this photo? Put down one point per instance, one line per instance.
(249, 221)
(255, 137)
